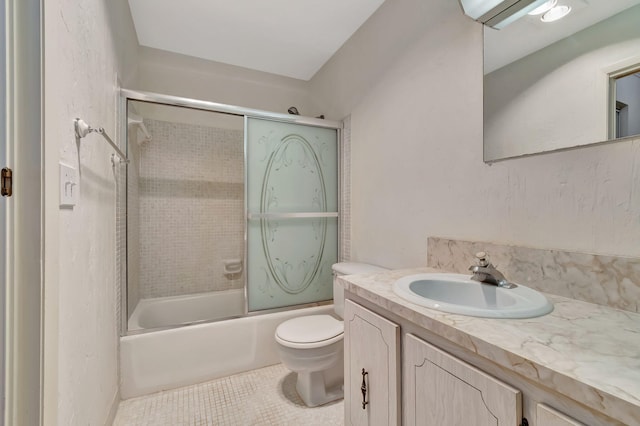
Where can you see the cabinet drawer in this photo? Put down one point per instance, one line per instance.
(547, 416)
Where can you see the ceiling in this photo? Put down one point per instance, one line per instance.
(293, 38)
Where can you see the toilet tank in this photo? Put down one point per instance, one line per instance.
(348, 268)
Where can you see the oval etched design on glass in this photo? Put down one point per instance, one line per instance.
(293, 178)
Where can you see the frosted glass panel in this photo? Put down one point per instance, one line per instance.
(291, 169)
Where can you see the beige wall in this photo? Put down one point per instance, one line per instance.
(179, 75)
(354, 70)
(86, 45)
(417, 170)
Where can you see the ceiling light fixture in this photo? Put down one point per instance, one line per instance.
(544, 7)
(556, 13)
(498, 13)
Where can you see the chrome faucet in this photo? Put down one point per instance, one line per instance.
(485, 272)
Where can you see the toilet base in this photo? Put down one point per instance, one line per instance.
(312, 389)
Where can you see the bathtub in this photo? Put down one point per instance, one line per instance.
(169, 311)
(182, 356)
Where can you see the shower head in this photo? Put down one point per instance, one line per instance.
(293, 110)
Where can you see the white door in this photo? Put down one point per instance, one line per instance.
(372, 368)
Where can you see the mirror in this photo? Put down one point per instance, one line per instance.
(551, 86)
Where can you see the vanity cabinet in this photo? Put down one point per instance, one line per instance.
(409, 381)
(444, 380)
(372, 368)
(547, 416)
(439, 389)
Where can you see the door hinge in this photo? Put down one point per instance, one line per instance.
(7, 182)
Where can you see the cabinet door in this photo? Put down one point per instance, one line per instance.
(371, 343)
(442, 390)
(547, 416)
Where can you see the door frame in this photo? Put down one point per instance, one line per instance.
(24, 254)
(3, 207)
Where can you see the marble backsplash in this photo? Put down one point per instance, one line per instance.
(605, 280)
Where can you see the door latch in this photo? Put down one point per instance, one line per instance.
(7, 182)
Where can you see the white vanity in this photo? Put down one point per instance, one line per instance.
(407, 364)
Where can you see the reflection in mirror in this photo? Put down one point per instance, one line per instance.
(627, 106)
(546, 85)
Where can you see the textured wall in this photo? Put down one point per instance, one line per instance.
(174, 74)
(191, 208)
(417, 170)
(87, 44)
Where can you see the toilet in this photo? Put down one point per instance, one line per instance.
(312, 346)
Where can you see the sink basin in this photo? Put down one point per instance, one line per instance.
(458, 294)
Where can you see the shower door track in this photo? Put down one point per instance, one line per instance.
(158, 98)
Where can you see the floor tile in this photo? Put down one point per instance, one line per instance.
(266, 396)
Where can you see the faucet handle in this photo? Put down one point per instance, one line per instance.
(481, 258)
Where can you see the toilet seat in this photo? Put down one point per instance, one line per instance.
(312, 331)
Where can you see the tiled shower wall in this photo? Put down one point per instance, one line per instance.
(191, 209)
(345, 192)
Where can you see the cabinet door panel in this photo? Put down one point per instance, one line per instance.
(371, 342)
(442, 390)
(547, 416)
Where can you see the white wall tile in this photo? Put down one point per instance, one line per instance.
(191, 212)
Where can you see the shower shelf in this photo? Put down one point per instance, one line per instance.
(232, 266)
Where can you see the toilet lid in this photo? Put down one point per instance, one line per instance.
(310, 329)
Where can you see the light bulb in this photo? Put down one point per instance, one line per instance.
(556, 13)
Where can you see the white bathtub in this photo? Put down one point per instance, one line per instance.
(168, 311)
(182, 356)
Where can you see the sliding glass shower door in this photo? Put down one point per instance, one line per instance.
(292, 213)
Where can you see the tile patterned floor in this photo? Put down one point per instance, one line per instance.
(266, 396)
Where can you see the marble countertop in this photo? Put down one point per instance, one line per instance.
(588, 352)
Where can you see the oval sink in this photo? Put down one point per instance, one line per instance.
(458, 294)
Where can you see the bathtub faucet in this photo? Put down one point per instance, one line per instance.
(485, 272)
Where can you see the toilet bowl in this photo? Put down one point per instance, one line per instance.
(312, 346)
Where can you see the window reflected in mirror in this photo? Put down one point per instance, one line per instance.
(627, 105)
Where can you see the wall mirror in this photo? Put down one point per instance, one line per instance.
(552, 85)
